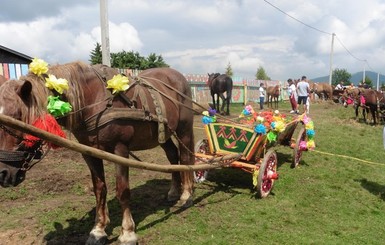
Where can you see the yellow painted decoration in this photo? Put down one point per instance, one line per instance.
(118, 83)
(59, 85)
(38, 66)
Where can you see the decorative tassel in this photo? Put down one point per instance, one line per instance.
(47, 123)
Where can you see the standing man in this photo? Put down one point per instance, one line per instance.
(292, 95)
(261, 96)
(303, 91)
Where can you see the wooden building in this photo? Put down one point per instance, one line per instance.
(12, 63)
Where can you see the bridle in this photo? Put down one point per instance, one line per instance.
(23, 157)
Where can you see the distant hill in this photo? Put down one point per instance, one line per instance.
(356, 78)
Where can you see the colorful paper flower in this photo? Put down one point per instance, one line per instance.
(303, 145)
(57, 107)
(309, 125)
(279, 126)
(118, 83)
(54, 83)
(310, 144)
(212, 112)
(38, 66)
(310, 133)
(260, 129)
(260, 119)
(272, 136)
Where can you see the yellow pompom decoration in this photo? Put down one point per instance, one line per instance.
(310, 144)
(279, 126)
(309, 125)
(38, 66)
(59, 85)
(205, 113)
(118, 83)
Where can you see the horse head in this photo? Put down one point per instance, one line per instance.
(15, 100)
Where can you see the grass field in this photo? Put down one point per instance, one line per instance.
(335, 196)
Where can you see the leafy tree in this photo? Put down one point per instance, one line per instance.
(261, 74)
(341, 76)
(96, 54)
(229, 70)
(154, 60)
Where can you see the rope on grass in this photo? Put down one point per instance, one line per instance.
(353, 158)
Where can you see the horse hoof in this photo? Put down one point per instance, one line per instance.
(92, 240)
(184, 203)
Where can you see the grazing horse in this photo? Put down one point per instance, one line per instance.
(272, 94)
(156, 105)
(218, 84)
(323, 90)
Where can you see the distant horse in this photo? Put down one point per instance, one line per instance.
(367, 99)
(272, 94)
(323, 90)
(218, 84)
(155, 106)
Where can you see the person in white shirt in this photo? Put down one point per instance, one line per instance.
(303, 91)
(292, 95)
(261, 96)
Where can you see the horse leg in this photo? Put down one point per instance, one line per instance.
(186, 149)
(172, 155)
(213, 97)
(127, 234)
(223, 103)
(98, 234)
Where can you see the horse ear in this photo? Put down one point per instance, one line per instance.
(24, 91)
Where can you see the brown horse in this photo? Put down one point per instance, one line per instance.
(218, 84)
(272, 95)
(156, 106)
(323, 90)
(367, 99)
(2, 80)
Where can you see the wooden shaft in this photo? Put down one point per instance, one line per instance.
(87, 150)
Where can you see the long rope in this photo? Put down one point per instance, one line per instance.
(353, 158)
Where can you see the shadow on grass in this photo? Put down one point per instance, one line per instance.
(373, 187)
(146, 200)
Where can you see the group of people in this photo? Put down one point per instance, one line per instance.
(298, 95)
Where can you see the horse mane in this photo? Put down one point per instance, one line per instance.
(75, 73)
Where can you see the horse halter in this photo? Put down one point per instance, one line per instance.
(23, 157)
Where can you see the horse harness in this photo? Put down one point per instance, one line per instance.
(111, 113)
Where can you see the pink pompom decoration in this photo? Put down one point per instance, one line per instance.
(303, 145)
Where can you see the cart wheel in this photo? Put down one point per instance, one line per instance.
(201, 146)
(297, 152)
(267, 174)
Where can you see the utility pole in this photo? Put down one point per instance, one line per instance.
(104, 30)
(363, 74)
(331, 60)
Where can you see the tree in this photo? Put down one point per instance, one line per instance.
(368, 82)
(96, 54)
(261, 74)
(154, 60)
(229, 70)
(341, 76)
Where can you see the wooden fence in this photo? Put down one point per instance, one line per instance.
(244, 90)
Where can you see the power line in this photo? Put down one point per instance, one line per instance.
(303, 23)
(325, 32)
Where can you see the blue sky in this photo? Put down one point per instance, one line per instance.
(286, 38)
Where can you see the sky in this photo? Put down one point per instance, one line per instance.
(287, 39)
